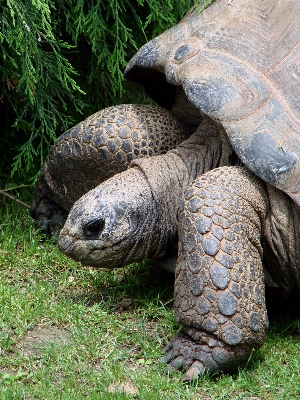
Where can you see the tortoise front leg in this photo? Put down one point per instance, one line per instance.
(219, 283)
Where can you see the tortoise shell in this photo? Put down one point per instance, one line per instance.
(238, 62)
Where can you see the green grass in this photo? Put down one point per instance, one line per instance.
(118, 323)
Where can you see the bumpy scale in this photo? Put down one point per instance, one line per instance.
(219, 284)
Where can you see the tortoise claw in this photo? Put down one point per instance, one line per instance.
(177, 363)
(198, 352)
(195, 371)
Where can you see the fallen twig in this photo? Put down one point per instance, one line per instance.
(14, 187)
(13, 198)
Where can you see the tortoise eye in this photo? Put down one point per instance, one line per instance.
(182, 53)
(93, 228)
(186, 51)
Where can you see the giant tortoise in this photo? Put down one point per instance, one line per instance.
(237, 64)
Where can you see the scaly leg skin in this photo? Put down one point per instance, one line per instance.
(219, 282)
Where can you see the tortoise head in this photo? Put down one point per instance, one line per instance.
(104, 226)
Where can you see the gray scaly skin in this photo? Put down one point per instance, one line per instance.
(219, 283)
(230, 222)
(96, 149)
(134, 215)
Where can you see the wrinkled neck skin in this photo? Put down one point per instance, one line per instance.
(170, 175)
(133, 215)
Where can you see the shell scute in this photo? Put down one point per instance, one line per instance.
(245, 73)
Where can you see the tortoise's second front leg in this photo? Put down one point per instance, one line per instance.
(219, 284)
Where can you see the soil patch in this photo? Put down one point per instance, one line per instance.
(35, 340)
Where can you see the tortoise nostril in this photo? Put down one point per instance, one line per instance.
(93, 228)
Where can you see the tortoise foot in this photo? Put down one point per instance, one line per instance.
(199, 352)
(50, 218)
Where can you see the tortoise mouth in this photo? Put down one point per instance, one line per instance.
(108, 256)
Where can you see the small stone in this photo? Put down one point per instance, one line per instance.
(126, 387)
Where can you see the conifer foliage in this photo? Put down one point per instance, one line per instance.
(62, 60)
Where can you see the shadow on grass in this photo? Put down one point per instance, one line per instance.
(125, 288)
(140, 285)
